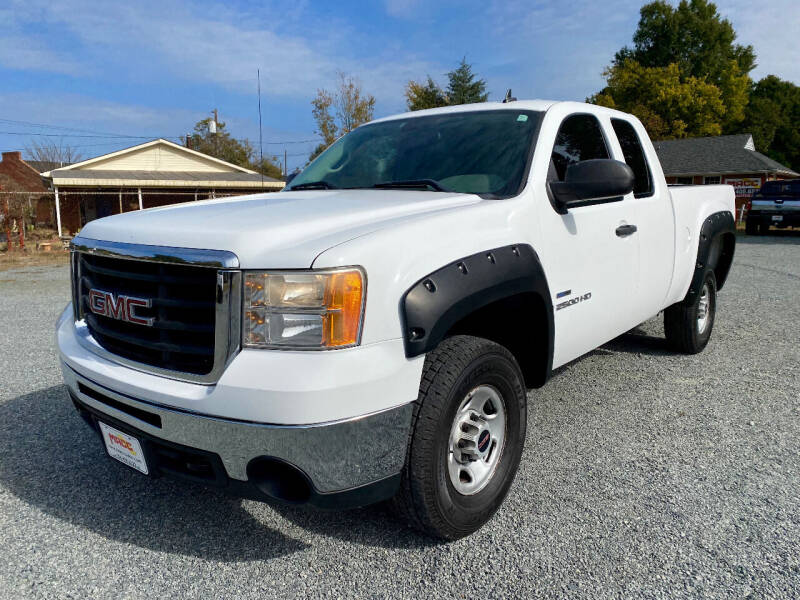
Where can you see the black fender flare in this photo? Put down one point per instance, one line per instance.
(713, 251)
(435, 303)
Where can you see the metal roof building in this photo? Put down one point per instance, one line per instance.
(155, 173)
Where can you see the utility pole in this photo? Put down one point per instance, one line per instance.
(260, 132)
(285, 166)
(7, 223)
(216, 133)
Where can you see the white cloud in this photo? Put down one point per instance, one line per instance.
(29, 53)
(772, 28)
(402, 9)
(213, 45)
(78, 111)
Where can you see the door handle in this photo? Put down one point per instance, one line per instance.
(625, 230)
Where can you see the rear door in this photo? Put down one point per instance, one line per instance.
(594, 269)
(652, 215)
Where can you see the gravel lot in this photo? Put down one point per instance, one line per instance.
(645, 474)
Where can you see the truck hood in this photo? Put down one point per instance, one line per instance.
(277, 230)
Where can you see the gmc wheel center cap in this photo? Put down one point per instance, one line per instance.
(483, 441)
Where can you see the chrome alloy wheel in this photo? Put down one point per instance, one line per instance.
(477, 440)
(703, 309)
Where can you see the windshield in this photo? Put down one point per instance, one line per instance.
(480, 152)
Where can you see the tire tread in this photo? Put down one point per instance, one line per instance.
(443, 366)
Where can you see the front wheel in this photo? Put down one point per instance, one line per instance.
(466, 440)
(688, 326)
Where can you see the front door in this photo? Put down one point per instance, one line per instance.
(593, 260)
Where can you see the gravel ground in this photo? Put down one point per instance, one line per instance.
(645, 474)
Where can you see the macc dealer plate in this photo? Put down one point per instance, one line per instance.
(125, 448)
(777, 217)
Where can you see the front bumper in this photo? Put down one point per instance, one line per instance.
(360, 458)
(356, 458)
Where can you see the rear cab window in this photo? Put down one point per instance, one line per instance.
(779, 189)
(635, 158)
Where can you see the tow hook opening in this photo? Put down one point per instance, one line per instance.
(278, 479)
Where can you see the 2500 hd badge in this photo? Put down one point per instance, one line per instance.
(372, 332)
(573, 301)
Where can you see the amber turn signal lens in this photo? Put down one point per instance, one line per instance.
(343, 300)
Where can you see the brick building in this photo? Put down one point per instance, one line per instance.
(731, 159)
(21, 182)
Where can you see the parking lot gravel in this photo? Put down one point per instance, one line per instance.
(646, 474)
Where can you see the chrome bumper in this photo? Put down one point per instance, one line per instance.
(335, 456)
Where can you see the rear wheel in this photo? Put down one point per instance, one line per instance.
(688, 326)
(751, 227)
(763, 228)
(466, 440)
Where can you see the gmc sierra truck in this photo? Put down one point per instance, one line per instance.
(371, 332)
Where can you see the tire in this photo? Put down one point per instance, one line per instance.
(763, 228)
(686, 329)
(751, 227)
(457, 375)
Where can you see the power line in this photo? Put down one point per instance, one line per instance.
(109, 135)
(30, 123)
(143, 137)
(79, 135)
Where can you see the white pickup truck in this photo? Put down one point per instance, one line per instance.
(371, 332)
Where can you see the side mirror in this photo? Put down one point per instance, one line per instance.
(591, 180)
(289, 177)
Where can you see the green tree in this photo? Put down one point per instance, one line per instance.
(667, 104)
(772, 117)
(420, 96)
(695, 42)
(694, 36)
(463, 88)
(268, 166)
(221, 144)
(224, 146)
(340, 111)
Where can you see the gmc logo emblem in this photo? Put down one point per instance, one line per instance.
(119, 307)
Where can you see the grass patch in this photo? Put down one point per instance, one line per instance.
(19, 259)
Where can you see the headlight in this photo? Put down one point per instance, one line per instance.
(302, 309)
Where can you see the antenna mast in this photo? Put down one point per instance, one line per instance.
(260, 134)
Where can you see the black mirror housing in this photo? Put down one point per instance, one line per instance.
(592, 181)
(290, 176)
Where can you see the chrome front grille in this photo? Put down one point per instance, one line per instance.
(193, 310)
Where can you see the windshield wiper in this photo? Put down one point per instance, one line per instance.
(410, 184)
(313, 185)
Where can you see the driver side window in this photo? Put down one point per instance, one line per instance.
(579, 138)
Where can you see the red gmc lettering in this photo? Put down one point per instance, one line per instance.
(116, 308)
(121, 308)
(97, 302)
(131, 304)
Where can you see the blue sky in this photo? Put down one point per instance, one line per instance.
(153, 68)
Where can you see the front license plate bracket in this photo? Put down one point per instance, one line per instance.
(124, 447)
